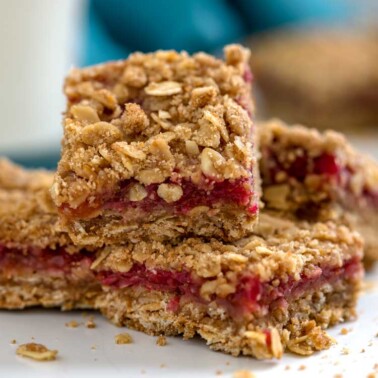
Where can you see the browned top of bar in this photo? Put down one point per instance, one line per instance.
(322, 64)
(27, 215)
(279, 249)
(153, 116)
(289, 142)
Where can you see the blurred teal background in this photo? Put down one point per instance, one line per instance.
(117, 27)
(111, 29)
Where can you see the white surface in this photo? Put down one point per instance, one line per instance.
(143, 358)
(38, 43)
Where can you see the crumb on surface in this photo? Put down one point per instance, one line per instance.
(243, 374)
(372, 375)
(72, 324)
(36, 352)
(344, 331)
(345, 351)
(161, 340)
(93, 347)
(338, 376)
(13, 341)
(228, 363)
(123, 338)
(90, 323)
(218, 372)
(162, 366)
(363, 350)
(302, 367)
(287, 367)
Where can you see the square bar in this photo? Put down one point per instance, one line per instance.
(158, 146)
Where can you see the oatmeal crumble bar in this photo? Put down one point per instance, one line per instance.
(160, 145)
(319, 176)
(276, 290)
(323, 78)
(39, 265)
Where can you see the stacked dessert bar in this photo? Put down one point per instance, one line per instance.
(157, 192)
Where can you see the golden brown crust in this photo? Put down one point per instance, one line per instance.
(303, 80)
(28, 217)
(348, 194)
(299, 328)
(153, 118)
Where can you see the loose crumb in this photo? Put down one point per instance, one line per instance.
(123, 338)
(344, 331)
(243, 374)
(302, 367)
(218, 372)
(161, 340)
(338, 376)
(372, 375)
(72, 324)
(13, 341)
(36, 352)
(143, 371)
(90, 323)
(363, 350)
(228, 363)
(93, 347)
(375, 367)
(162, 366)
(287, 367)
(345, 351)
(370, 343)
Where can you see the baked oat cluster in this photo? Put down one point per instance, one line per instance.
(153, 215)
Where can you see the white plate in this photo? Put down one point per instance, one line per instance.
(87, 352)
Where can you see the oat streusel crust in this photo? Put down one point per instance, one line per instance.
(346, 190)
(156, 119)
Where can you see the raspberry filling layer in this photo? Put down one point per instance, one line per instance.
(325, 165)
(208, 193)
(251, 294)
(16, 262)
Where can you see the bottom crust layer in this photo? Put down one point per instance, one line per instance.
(297, 327)
(17, 294)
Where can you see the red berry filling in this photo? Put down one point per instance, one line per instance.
(251, 294)
(14, 262)
(209, 193)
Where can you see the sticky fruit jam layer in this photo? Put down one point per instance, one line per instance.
(251, 294)
(325, 165)
(209, 193)
(16, 262)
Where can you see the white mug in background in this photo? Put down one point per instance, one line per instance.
(38, 44)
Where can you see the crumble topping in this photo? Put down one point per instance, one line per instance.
(36, 352)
